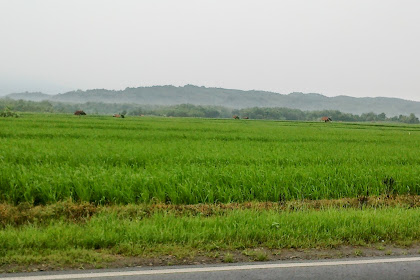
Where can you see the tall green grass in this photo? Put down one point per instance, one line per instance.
(233, 230)
(48, 158)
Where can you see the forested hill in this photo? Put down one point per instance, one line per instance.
(189, 94)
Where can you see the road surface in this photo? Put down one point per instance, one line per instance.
(406, 268)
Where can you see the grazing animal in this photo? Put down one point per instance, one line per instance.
(245, 118)
(79, 113)
(326, 119)
(236, 117)
(117, 116)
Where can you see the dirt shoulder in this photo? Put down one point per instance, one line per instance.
(105, 260)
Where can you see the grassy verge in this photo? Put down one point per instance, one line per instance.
(107, 235)
(237, 229)
(25, 213)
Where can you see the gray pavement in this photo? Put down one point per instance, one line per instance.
(360, 268)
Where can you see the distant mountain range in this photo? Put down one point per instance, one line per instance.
(238, 99)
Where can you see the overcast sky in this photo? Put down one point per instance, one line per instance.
(333, 47)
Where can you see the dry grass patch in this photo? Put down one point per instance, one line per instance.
(25, 213)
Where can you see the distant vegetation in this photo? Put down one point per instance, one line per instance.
(188, 110)
(230, 98)
(26, 106)
(8, 113)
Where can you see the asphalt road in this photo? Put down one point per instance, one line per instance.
(406, 268)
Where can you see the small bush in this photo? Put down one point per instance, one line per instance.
(8, 113)
(228, 258)
(261, 256)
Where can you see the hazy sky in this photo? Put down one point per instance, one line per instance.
(333, 47)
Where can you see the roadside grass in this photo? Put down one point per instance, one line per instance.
(228, 258)
(55, 259)
(165, 236)
(255, 254)
(69, 211)
(237, 229)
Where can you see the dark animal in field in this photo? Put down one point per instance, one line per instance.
(326, 119)
(79, 113)
(236, 117)
(245, 118)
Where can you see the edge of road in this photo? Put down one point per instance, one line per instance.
(54, 275)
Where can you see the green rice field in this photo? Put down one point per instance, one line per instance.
(98, 191)
(46, 158)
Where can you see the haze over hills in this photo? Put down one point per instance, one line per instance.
(10, 84)
(238, 99)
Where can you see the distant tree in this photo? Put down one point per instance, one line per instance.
(369, 117)
(382, 117)
(412, 118)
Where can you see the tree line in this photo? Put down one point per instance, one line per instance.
(189, 110)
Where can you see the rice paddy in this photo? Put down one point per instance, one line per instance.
(101, 190)
(103, 160)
